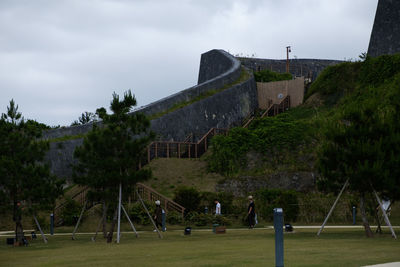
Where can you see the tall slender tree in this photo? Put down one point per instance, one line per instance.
(112, 151)
(25, 181)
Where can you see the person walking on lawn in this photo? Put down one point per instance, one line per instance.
(158, 215)
(251, 213)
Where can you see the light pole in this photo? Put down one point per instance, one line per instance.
(288, 50)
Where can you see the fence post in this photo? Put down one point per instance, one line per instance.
(195, 150)
(167, 150)
(156, 151)
(189, 150)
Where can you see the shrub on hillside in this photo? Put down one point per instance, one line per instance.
(336, 81)
(70, 212)
(268, 199)
(188, 197)
(265, 135)
(174, 217)
(138, 214)
(271, 76)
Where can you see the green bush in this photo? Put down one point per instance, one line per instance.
(222, 220)
(202, 219)
(70, 212)
(270, 76)
(266, 135)
(375, 71)
(188, 197)
(138, 214)
(277, 198)
(336, 81)
(43, 222)
(174, 217)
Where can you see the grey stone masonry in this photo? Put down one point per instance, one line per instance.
(385, 36)
(222, 110)
(227, 70)
(308, 68)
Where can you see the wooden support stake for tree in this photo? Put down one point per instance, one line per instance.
(119, 213)
(97, 229)
(151, 218)
(333, 207)
(129, 219)
(79, 220)
(385, 216)
(40, 229)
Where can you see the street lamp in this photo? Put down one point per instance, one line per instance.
(288, 50)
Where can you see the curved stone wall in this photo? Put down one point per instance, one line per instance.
(224, 109)
(220, 67)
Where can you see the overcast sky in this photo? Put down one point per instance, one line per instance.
(61, 58)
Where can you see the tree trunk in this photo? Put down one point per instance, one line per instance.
(104, 219)
(367, 228)
(19, 231)
(111, 233)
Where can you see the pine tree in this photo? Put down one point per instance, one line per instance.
(363, 145)
(26, 184)
(112, 151)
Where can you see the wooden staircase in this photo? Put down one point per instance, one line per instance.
(148, 193)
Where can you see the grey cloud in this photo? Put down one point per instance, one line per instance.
(61, 58)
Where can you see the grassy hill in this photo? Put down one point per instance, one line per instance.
(287, 144)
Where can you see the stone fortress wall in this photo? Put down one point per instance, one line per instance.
(307, 68)
(217, 68)
(222, 110)
(385, 36)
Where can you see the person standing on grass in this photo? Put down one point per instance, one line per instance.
(217, 207)
(158, 215)
(251, 213)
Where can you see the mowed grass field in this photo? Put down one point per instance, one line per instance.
(335, 247)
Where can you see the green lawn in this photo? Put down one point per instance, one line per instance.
(235, 248)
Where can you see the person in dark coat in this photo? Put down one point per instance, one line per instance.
(158, 214)
(251, 213)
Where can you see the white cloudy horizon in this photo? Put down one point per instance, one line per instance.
(59, 59)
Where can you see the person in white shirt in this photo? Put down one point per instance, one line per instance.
(217, 207)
